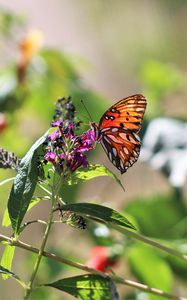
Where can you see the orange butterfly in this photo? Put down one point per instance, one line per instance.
(118, 131)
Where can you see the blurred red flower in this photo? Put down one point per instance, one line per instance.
(3, 122)
(101, 259)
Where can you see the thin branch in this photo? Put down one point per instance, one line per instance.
(82, 267)
(148, 241)
(147, 289)
(31, 222)
(44, 241)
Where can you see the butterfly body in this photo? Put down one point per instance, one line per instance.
(118, 131)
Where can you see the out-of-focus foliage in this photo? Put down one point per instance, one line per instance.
(158, 81)
(143, 261)
(9, 22)
(158, 216)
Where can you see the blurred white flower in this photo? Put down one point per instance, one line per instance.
(164, 146)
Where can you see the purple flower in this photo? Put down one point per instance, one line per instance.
(50, 156)
(62, 156)
(54, 135)
(66, 148)
(70, 130)
(91, 135)
(57, 123)
(76, 161)
(86, 141)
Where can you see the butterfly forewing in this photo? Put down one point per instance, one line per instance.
(118, 131)
(127, 113)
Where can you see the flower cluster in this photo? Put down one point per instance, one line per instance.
(66, 150)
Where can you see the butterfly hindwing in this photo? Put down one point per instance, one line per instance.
(122, 147)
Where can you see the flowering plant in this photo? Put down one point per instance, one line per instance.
(57, 159)
(66, 150)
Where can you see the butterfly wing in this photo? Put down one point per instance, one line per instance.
(127, 113)
(118, 131)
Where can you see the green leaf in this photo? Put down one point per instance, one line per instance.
(99, 212)
(7, 258)
(88, 286)
(8, 273)
(92, 171)
(24, 185)
(6, 181)
(6, 220)
(150, 268)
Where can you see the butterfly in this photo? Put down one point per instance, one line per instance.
(118, 131)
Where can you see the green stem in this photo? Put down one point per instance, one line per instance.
(45, 237)
(148, 241)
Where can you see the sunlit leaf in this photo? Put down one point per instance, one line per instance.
(6, 220)
(87, 287)
(150, 268)
(99, 212)
(24, 185)
(7, 258)
(92, 171)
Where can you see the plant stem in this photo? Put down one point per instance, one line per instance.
(82, 267)
(148, 241)
(45, 237)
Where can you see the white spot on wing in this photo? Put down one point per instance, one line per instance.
(121, 164)
(114, 151)
(105, 129)
(106, 139)
(136, 137)
(124, 137)
(135, 153)
(110, 155)
(126, 150)
(114, 139)
(131, 101)
(114, 129)
(139, 109)
(141, 102)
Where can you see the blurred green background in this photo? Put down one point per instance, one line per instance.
(99, 52)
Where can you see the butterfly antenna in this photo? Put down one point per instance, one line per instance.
(87, 110)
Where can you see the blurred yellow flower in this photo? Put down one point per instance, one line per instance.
(30, 44)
